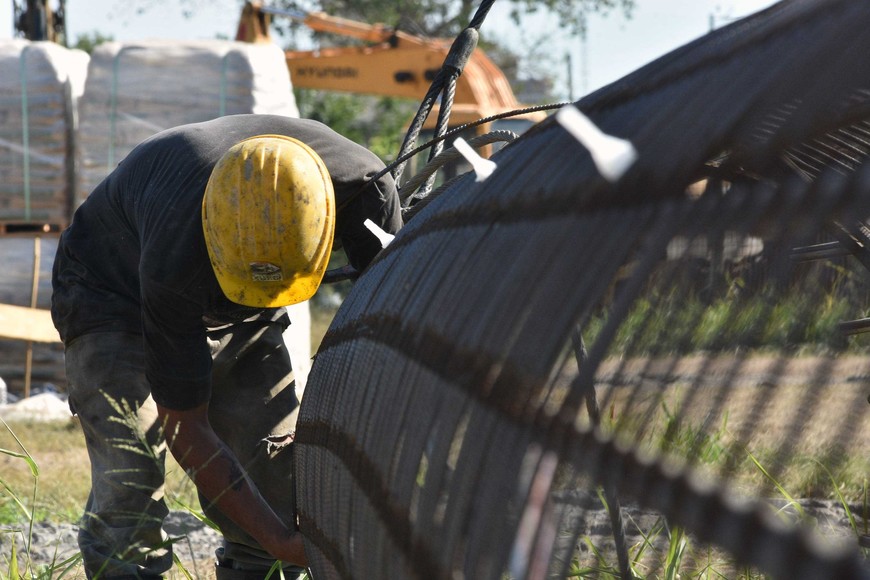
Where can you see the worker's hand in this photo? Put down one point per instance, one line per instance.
(220, 478)
(287, 548)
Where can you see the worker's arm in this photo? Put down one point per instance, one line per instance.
(219, 476)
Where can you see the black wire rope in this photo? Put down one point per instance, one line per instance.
(426, 174)
(441, 127)
(460, 51)
(406, 156)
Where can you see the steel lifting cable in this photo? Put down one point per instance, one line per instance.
(446, 156)
(409, 212)
(402, 158)
(444, 84)
(477, 123)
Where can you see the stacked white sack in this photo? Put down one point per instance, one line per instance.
(137, 89)
(39, 82)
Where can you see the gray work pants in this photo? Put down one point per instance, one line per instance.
(253, 409)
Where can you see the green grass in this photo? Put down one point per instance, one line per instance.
(44, 469)
(674, 322)
(717, 452)
(19, 564)
(48, 479)
(664, 551)
(62, 489)
(64, 482)
(668, 552)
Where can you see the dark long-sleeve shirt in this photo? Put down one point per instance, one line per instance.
(134, 258)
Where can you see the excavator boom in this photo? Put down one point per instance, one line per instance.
(392, 64)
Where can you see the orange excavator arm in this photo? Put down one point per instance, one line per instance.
(256, 18)
(392, 63)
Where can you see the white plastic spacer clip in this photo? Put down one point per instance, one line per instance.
(612, 156)
(483, 168)
(383, 237)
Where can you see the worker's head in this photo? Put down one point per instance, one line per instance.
(269, 217)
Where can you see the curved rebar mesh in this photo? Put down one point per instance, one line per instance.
(445, 431)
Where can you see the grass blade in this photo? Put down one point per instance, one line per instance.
(840, 498)
(34, 469)
(791, 501)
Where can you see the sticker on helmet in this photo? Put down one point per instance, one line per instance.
(265, 272)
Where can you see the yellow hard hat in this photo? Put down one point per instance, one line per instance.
(268, 214)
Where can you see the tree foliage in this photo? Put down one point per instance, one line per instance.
(89, 40)
(436, 18)
(377, 123)
(445, 18)
(572, 14)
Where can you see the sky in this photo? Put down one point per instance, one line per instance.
(614, 45)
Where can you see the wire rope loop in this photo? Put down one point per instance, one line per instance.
(448, 155)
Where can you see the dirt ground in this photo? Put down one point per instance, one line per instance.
(196, 543)
(809, 403)
(53, 542)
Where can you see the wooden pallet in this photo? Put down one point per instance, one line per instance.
(30, 324)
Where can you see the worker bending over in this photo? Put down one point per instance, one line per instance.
(169, 288)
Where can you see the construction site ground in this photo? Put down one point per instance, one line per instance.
(832, 389)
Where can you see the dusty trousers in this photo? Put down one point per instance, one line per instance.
(253, 409)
